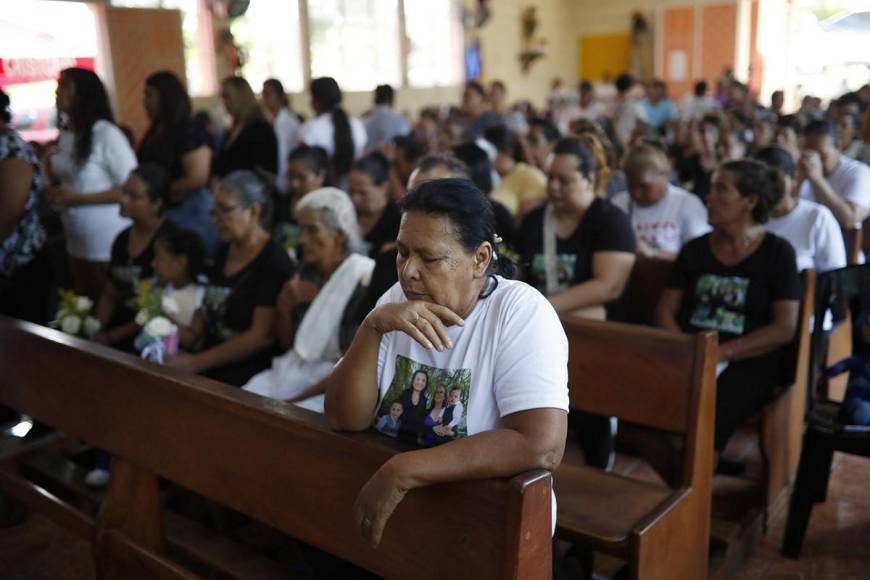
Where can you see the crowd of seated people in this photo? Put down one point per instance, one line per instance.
(293, 243)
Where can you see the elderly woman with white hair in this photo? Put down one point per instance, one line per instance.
(313, 307)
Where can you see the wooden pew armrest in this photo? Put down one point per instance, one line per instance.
(665, 511)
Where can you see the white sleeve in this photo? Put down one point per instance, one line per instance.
(117, 155)
(531, 362)
(694, 219)
(858, 188)
(359, 134)
(829, 248)
(199, 297)
(458, 412)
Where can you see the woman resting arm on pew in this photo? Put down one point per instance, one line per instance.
(313, 308)
(742, 282)
(578, 250)
(239, 302)
(495, 345)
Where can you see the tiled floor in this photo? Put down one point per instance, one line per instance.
(837, 544)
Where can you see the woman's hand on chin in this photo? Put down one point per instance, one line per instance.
(425, 322)
(377, 500)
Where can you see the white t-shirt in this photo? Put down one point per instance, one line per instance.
(850, 180)
(318, 132)
(677, 218)
(285, 124)
(815, 235)
(188, 299)
(511, 355)
(91, 229)
(626, 117)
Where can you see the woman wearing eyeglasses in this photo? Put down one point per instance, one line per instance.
(248, 273)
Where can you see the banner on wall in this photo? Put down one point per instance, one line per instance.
(15, 71)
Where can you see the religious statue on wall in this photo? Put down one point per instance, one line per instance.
(534, 48)
(640, 60)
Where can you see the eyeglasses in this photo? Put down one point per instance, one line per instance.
(223, 209)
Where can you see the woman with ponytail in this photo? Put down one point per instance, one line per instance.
(343, 137)
(743, 282)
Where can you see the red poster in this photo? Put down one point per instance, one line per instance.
(28, 70)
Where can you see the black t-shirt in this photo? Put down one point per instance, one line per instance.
(230, 301)
(604, 228)
(734, 300)
(691, 172)
(167, 148)
(385, 231)
(255, 147)
(125, 272)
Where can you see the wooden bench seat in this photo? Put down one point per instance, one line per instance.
(586, 515)
(271, 461)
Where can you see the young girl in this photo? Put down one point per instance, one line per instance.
(179, 259)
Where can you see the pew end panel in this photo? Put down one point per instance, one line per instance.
(270, 460)
(658, 380)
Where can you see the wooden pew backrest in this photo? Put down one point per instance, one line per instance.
(267, 459)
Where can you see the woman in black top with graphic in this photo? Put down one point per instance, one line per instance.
(181, 146)
(742, 282)
(378, 216)
(578, 249)
(239, 303)
(250, 143)
(142, 199)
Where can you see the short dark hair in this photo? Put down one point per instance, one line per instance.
(778, 158)
(467, 208)
(476, 87)
(455, 167)
(792, 122)
(550, 131)
(755, 178)
(501, 138)
(375, 165)
(624, 82)
(278, 87)
(587, 165)
(384, 95)
(478, 164)
(714, 120)
(585, 86)
(411, 148)
(820, 128)
(315, 158)
(187, 243)
(700, 88)
(156, 179)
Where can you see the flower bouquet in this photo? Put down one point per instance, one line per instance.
(159, 336)
(74, 315)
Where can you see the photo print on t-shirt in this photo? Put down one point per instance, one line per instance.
(126, 277)
(565, 264)
(214, 306)
(721, 303)
(425, 405)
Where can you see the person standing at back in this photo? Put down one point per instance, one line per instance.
(344, 138)
(284, 122)
(179, 145)
(90, 165)
(250, 143)
(383, 124)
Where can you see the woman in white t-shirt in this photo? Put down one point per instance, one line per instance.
(453, 316)
(810, 227)
(343, 137)
(663, 216)
(88, 169)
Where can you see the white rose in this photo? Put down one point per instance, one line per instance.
(83, 303)
(141, 318)
(169, 305)
(71, 325)
(159, 327)
(92, 326)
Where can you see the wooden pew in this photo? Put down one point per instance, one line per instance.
(273, 462)
(654, 379)
(645, 286)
